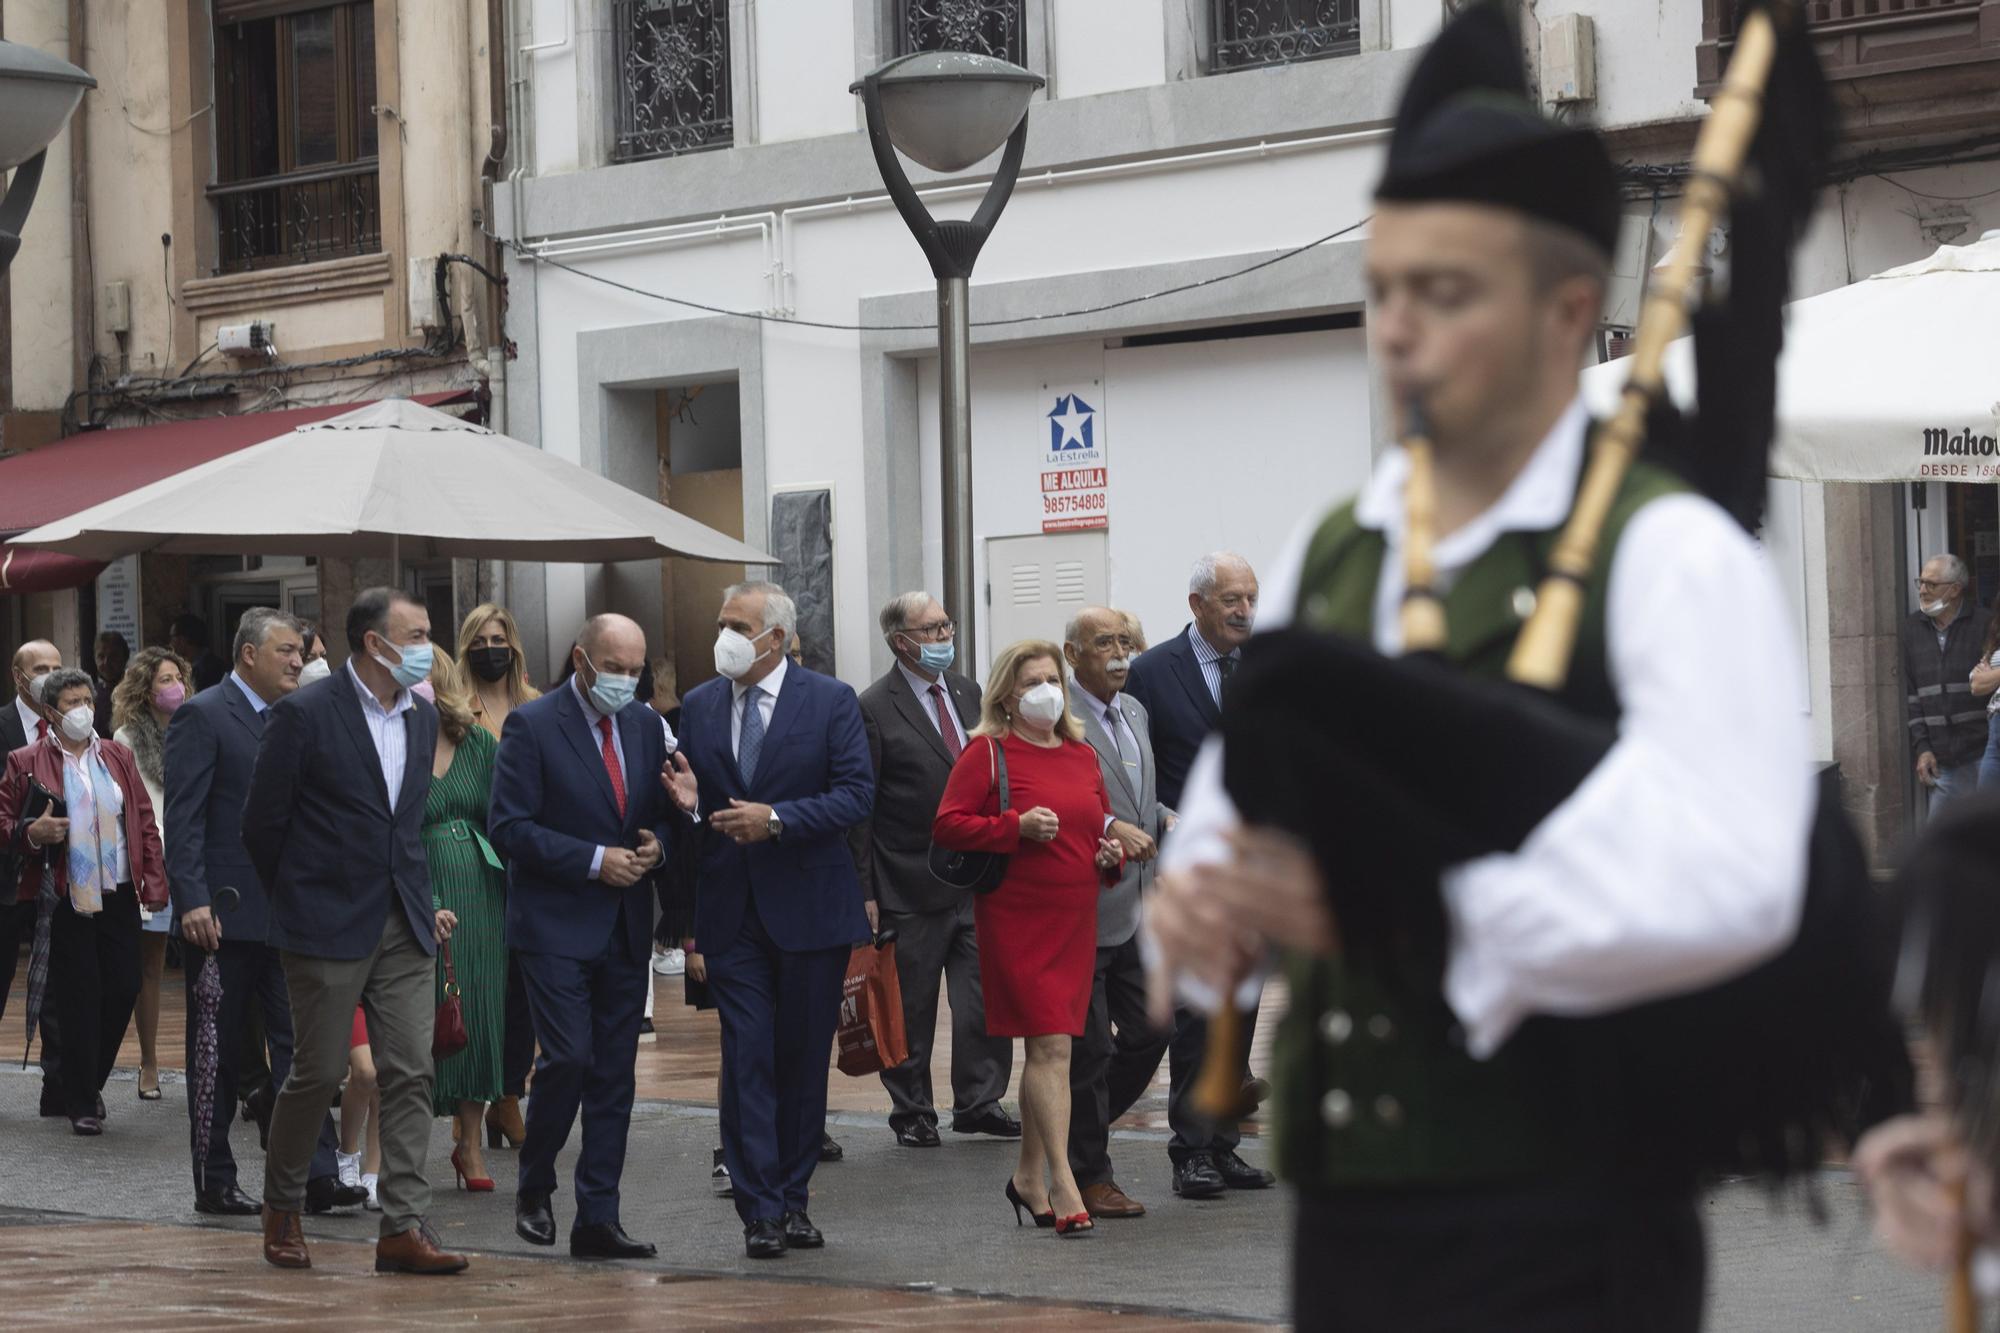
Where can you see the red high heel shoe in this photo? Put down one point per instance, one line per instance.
(1078, 1225)
(1047, 1219)
(471, 1184)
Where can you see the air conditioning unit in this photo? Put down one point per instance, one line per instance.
(255, 339)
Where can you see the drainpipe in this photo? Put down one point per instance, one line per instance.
(83, 337)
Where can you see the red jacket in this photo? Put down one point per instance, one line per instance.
(43, 762)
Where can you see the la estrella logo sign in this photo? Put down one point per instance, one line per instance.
(1072, 425)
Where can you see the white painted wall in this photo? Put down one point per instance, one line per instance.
(802, 81)
(1100, 46)
(1645, 57)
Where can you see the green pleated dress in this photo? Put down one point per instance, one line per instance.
(467, 879)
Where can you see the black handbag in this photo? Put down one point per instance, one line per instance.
(980, 872)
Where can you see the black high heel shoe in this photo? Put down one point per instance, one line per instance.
(1047, 1219)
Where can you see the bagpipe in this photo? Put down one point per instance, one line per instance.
(1751, 1076)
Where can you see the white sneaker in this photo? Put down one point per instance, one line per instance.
(349, 1168)
(373, 1203)
(670, 962)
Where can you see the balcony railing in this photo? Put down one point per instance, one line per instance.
(328, 213)
(984, 27)
(1858, 38)
(1252, 33)
(673, 77)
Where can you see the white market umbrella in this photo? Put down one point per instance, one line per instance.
(1893, 378)
(393, 479)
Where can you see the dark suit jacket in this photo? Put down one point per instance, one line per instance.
(210, 751)
(814, 772)
(12, 738)
(553, 807)
(1167, 680)
(334, 855)
(892, 846)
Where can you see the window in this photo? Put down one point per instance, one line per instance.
(295, 132)
(673, 77)
(984, 27)
(1250, 33)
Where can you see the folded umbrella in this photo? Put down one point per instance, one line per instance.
(207, 1053)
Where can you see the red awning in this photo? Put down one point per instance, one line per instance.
(24, 569)
(57, 480)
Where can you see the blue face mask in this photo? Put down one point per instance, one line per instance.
(415, 666)
(937, 656)
(610, 693)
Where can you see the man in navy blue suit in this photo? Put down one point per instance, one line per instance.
(211, 749)
(1180, 682)
(334, 826)
(581, 810)
(782, 758)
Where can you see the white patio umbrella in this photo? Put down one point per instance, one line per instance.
(393, 479)
(1893, 378)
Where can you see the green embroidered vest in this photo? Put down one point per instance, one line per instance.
(1375, 1088)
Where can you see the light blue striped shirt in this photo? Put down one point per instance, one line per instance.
(386, 729)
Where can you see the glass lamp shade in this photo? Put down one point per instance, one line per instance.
(949, 109)
(37, 94)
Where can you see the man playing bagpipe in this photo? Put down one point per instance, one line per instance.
(1556, 952)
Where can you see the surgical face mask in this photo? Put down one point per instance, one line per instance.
(1043, 703)
(317, 669)
(415, 666)
(491, 664)
(169, 697)
(423, 689)
(736, 653)
(610, 693)
(78, 723)
(935, 657)
(1934, 608)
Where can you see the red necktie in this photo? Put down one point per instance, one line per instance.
(944, 722)
(611, 765)
(41, 728)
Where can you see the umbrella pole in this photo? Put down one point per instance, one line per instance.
(395, 560)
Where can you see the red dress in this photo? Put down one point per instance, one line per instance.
(1038, 930)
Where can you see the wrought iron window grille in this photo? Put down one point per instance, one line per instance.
(673, 77)
(984, 27)
(1249, 34)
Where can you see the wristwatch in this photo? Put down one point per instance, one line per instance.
(776, 826)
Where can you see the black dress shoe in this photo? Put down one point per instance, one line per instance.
(326, 1193)
(829, 1151)
(918, 1134)
(102, 1114)
(534, 1220)
(800, 1233)
(764, 1240)
(992, 1121)
(1240, 1175)
(85, 1126)
(606, 1240)
(226, 1202)
(1196, 1177)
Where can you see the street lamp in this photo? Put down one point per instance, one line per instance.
(37, 94)
(947, 110)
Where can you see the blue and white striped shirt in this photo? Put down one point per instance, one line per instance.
(1210, 662)
(386, 729)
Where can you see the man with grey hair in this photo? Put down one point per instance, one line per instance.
(1181, 684)
(1943, 642)
(781, 755)
(918, 717)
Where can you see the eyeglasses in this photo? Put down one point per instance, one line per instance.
(1935, 585)
(936, 629)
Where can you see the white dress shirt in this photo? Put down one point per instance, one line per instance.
(592, 717)
(79, 767)
(1681, 859)
(30, 719)
(1210, 661)
(766, 697)
(385, 729)
(922, 689)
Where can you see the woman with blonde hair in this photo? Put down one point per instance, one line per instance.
(1037, 930)
(467, 879)
(142, 703)
(492, 665)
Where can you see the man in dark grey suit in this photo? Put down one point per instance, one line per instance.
(1121, 1050)
(22, 722)
(918, 718)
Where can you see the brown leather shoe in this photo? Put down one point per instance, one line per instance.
(284, 1239)
(416, 1251)
(1107, 1200)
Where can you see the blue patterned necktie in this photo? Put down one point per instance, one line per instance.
(751, 743)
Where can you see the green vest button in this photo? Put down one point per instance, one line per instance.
(1388, 1110)
(1336, 1026)
(1380, 1028)
(1337, 1109)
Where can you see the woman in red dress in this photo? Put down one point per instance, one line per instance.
(1038, 929)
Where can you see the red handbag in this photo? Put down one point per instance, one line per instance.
(448, 1036)
(870, 1036)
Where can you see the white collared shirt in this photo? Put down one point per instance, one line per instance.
(922, 689)
(1680, 860)
(79, 767)
(256, 699)
(1210, 661)
(386, 729)
(30, 719)
(767, 701)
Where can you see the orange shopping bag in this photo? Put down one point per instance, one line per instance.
(870, 1037)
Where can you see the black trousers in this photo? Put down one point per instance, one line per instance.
(17, 934)
(1193, 1132)
(94, 978)
(517, 1041)
(1111, 1067)
(930, 945)
(1503, 1261)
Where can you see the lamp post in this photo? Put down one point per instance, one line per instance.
(947, 110)
(37, 94)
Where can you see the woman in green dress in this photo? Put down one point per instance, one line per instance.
(467, 878)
